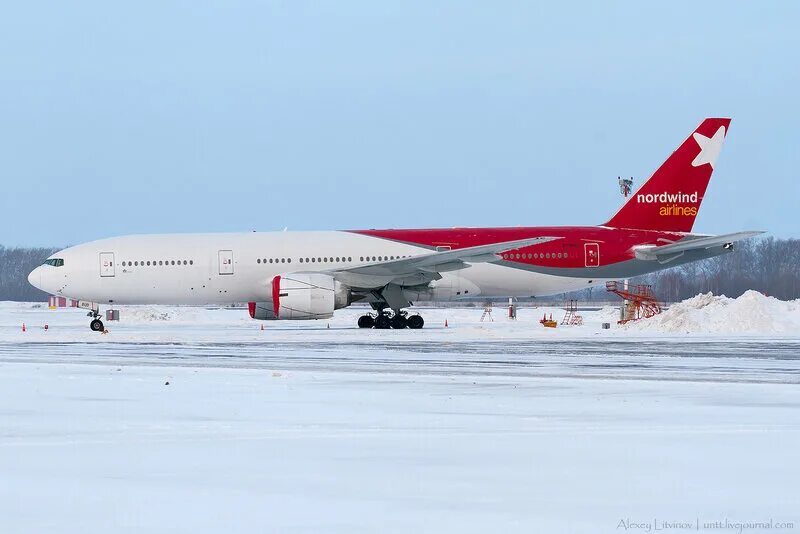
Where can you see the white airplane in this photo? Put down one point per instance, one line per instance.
(308, 275)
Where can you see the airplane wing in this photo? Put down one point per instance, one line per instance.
(666, 253)
(425, 268)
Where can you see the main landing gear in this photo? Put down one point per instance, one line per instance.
(384, 319)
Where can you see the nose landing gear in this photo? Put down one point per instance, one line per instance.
(96, 325)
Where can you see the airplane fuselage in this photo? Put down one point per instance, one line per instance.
(239, 267)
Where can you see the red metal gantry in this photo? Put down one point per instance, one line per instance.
(640, 302)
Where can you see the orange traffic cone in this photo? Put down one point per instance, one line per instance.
(23, 328)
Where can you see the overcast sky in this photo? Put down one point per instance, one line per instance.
(225, 116)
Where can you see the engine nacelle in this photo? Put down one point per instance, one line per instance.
(301, 296)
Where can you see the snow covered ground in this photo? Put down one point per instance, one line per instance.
(503, 426)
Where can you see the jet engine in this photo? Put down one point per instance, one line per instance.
(302, 296)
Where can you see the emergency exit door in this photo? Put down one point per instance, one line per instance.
(225, 262)
(107, 264)
(591, 254)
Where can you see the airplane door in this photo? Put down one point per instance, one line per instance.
(225, 262)
(107, 264)
(591, 254)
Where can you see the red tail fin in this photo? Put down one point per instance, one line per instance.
(671, 198)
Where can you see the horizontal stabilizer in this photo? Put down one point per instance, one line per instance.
(691, 243)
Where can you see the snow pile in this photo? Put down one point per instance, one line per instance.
(178, 314)
(606, 314)
(146, 314)
(752, 313)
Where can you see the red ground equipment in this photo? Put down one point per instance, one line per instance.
(640, 302)
(548, 323)
(572, 317)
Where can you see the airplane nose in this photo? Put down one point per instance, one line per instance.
(35, 278)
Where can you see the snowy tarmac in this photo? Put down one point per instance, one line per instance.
(477, 427)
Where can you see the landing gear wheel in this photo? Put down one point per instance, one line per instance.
(415, 322)
(96, 325)
(383, 322)
(399, 322)
(366, 321)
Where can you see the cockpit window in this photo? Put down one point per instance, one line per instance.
(55, 262)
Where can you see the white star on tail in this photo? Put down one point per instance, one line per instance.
(709, 147)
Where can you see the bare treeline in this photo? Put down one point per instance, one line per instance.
(771, 266)
(15, 264)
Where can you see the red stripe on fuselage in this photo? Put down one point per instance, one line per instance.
(615, 244)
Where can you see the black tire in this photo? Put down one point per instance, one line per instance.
(96, 325)
(415, 322)
(366, 321)
(399, 322)
(383, 322)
